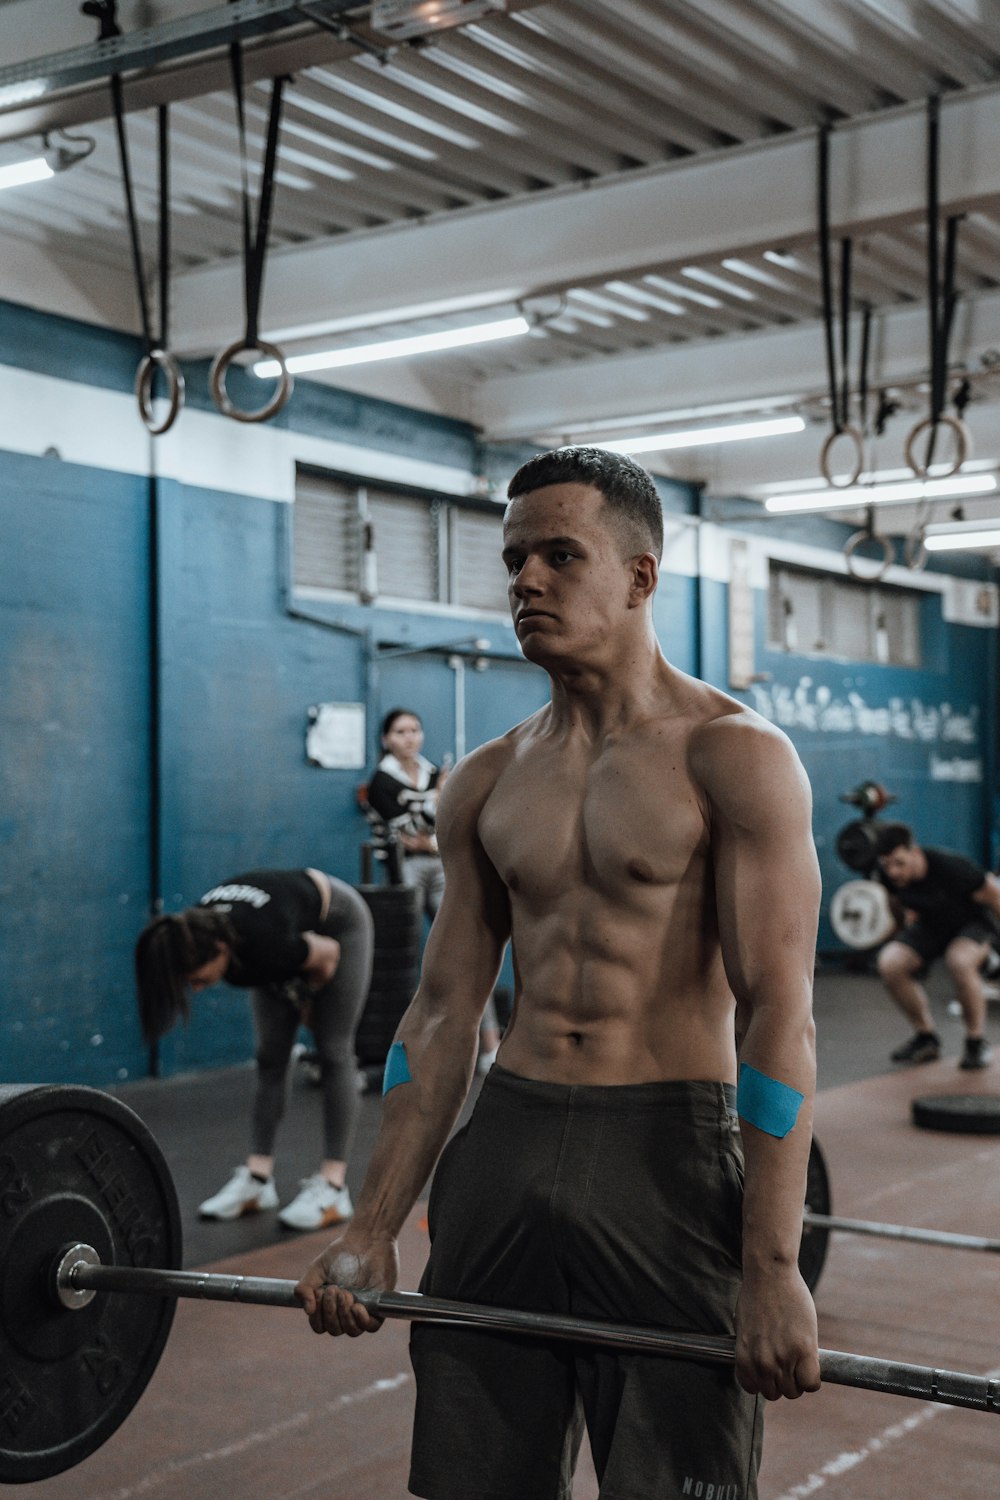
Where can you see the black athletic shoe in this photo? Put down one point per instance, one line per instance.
(923, 1046)
(978, 1053)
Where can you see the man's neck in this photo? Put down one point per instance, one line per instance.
(602, 696)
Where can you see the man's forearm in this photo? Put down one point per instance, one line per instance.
(417, 1117)
(776, 1167)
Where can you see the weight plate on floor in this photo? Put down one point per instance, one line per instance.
(965, 1114)
(815, 1240)
(76, 1165)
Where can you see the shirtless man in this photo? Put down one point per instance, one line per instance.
(644, 841)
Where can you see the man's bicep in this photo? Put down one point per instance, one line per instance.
(767, 875)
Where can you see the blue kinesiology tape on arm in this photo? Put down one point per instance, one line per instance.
(762, 1101)
(397, 1068)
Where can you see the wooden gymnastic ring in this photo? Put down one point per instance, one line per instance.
(963, 444)
(220, 370)
(159, 359)
(854, 542)
(914, 551)
(856, 436)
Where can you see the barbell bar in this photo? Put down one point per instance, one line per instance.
(78, 1168)
(945, 1239)
(79, 1271)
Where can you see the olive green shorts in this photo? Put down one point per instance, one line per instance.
(618, 1203)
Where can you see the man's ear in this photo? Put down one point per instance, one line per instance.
(645, 572)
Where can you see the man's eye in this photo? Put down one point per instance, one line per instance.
(514, 564)
(562, 556)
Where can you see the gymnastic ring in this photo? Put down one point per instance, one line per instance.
(220, 369)
(963, 444)
(914, 551)
(145, 375)
(855, 434)
(854, 542)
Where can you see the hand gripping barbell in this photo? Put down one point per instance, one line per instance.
(88, 1212)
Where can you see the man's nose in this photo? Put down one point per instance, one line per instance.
(528, 578)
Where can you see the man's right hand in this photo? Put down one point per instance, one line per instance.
(352, 1260)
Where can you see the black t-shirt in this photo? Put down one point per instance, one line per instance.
(412, 809)
(943, 899)
(268, 910)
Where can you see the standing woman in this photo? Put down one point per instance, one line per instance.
(301, 942)
(404, 793)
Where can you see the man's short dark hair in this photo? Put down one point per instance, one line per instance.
(627, 489)
(890, 836)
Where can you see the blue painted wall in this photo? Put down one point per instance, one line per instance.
(238, 673)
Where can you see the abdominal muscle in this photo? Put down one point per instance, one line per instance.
(603, 1004)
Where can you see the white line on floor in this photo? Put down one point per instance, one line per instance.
(260, 1436)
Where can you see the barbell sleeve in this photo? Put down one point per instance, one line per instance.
(76, 1275)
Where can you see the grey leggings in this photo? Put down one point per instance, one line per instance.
(335, 1010)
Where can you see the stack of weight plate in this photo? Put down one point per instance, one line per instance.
(396, 966)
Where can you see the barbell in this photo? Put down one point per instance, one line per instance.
(90, 1242)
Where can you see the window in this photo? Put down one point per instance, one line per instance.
(823, 614)
(428, 550)
(405, 537)
(326, 535)
(479, 578)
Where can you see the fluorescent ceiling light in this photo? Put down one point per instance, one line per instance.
(699, 437)
(422, 343)
(954, 536)
(35, 170)
(815, 483)
(882, 494)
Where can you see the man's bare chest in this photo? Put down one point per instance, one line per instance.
(627, 821)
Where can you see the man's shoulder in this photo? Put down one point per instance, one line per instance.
(950, 862)
(721, 727)
(478, 772)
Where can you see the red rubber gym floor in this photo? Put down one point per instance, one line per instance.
(247, 1404)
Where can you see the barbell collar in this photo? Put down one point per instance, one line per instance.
(862, 1371)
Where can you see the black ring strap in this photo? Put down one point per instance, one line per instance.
(254, 255)
(156, 355)
(942, 299)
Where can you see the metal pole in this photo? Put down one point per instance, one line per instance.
(921, 1382)
(939, 1237)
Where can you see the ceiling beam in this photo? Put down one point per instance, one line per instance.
(748, 367)
(735, 202)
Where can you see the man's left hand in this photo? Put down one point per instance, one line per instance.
(776, 1337)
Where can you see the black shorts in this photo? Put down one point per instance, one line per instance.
(619, 1203)
(930, 943)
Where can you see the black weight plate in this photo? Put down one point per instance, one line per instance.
(815, 1241)
(856, 844)
(75, 1166)
(965, 1114)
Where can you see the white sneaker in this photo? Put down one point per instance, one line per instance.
(316, 1205)
(243, 1194)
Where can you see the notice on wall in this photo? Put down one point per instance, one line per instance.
(335, 738)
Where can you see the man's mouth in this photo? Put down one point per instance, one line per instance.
(532, 614)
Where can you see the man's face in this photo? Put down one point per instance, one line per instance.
(902, 865)
(568, 584)
(209, 973)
